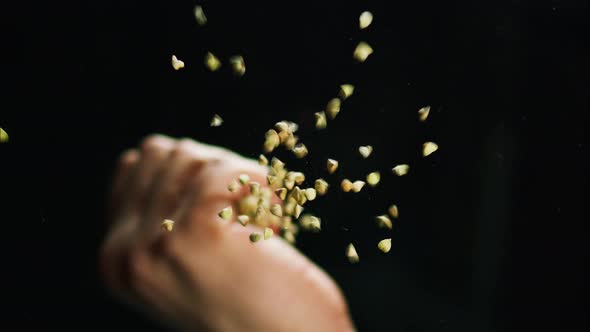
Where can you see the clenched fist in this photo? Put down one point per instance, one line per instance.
(206, 274)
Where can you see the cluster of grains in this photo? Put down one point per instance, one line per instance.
(277, 206)
(285, 216)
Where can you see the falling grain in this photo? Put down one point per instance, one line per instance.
(167, 225)
(346, 90)
(333, 108)
(401, 170)
(212, 62)
(268, 233)
(351, 254)
(429, 148)
(373, 178)
(176, 63)
(226, 213)
(321, 186)
(281, 193)
(365, 151)
(423, 113)
(320, 120)
(362, 51)
(254, 237)
(238, 65)
(357, 186)
(300, 150)
(262, 160)
(332, 165)
(243, 219)
(216, 121)
(384, 222)
(346, 185)
(3, 136)
(200, 15)
(244, 179)
(384, 245)
(394, 211)
(365, 19)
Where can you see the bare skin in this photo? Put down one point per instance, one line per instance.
(205, 274)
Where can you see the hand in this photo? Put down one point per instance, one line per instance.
(206, 274)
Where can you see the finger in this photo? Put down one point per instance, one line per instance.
(154, 150)
(113, 252)
(127, 163)
(185, 161)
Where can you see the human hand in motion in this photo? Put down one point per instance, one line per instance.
(206, 274)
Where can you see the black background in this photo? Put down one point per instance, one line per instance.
(492, 234)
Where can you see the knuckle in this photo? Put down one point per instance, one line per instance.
(152, 143)
(127, 158)
(183, 148)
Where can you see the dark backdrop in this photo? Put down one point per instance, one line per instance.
(492, 233)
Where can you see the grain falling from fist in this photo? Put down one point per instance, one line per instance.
(254, 237)
(383, 221)
(362, 51)
(320, 120)
(244, 179)
(333, 108)
(423, 113)
(384, 245)
(3, 136)
(167, 225)
(243, 219)
(346, 185)
(373, 178)
(401, 170)
(238, 65)
(357, 186)
(216, 121)
(365, 19)
(262, 160)
(332, 165)
(346, 90)
(321, 186)
(268, 233)
(212, 62)
(226, 213)
(429, 148)
(176, 63)
(200, 15)
(351, 254)
(394, 211)
(365, 151)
